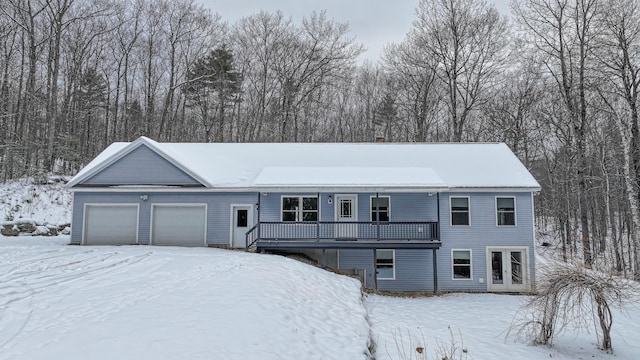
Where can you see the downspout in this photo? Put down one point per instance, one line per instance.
(435, 272)
(435, 258)
(258, 223)
(438, 220)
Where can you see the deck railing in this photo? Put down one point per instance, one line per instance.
(342, 231)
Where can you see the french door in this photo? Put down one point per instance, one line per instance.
(508, 269)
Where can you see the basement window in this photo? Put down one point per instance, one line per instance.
(385, 264)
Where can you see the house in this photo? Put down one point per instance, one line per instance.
(408, 217)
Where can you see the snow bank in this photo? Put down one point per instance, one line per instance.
(141, 302)
(43, 203)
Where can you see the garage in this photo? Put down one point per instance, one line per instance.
(110, 224)
(178, 224)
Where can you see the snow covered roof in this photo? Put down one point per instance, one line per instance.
(379, 166)
(347, 177)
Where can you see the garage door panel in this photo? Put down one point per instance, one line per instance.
(182, 225)
(111, 224)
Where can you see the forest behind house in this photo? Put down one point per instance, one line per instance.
(557, 81)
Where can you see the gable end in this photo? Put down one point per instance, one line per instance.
(141, 166)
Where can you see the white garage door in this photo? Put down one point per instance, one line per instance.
(182, 225)
(110, 224)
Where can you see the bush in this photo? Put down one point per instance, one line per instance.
(569, 294)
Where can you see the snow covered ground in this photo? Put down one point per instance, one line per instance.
(142, 302)
(479, 323)
(49, 203)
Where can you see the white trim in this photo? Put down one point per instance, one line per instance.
(515, 211)
(223, 189)
(371, 206)
(468, 210)
(163, 204)
(163, 189)
(526, 270)
(470, 265)
(352, 231)
(300, 210)
(83, 240)
(393, 259)
(232, 226)
(336, 213)
(492, 189)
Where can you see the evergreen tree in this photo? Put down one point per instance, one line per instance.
(214, 86)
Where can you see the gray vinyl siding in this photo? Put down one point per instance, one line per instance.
(404, 206)
(413, 269)
(218, 210)
(358, 259)
(141, 166)
(271, 205)
(481, 233)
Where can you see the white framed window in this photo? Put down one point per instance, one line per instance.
(459, 210)
(380, 206)
(299, 208)
(506, 210)
(385, 264)
(461, 264)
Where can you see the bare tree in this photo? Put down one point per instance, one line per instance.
(572, 295)
(620, 68)
(467, 40)
(415, 74)
(564, 32)
(316, 54)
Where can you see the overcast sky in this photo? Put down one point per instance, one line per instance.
(374, 23)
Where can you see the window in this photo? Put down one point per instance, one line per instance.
(380, 205)
(506, 208)
(385, 269)
(459, 211)
(241, 218)
(299, 208)
(461, 264)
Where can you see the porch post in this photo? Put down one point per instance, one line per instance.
(318, 226)
(375, 271)
(259, 210)
(435, 272)
(377, 217)
(324, 258)
(437, 237)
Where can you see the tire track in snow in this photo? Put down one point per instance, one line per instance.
(28, 277)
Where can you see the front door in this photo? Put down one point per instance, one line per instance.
(346, 213)
(241, 222)
(508, 269)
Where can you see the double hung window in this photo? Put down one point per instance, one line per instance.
(459, 210)
(299, 208)
(385, 264)
(380, 209)
(461, 261)
(506, 211)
